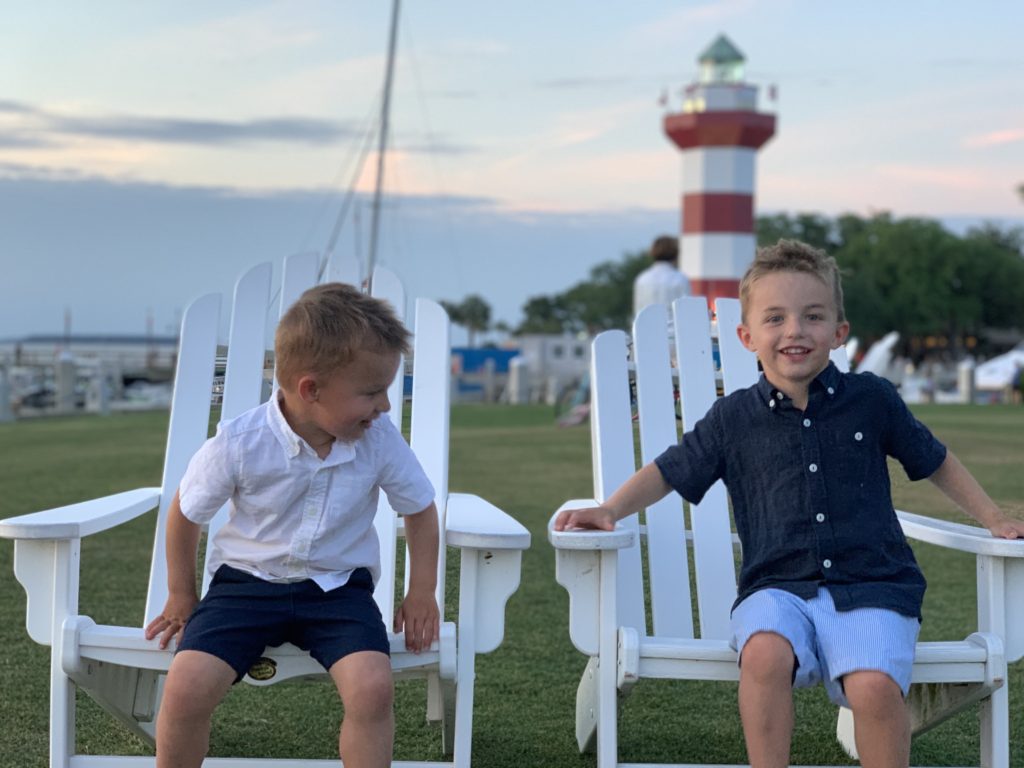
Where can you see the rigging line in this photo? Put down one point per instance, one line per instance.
(432, 144)
(384, 115)
(369, 122)
(346, 204)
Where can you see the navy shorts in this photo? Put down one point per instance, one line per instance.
(241, 615)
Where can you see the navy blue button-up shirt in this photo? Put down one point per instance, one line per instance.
(810, 489)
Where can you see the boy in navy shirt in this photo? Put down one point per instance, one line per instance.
(829, 590)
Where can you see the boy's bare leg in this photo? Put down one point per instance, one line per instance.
(367, 691)
(880, 718)
(196, 683)
(766, 699)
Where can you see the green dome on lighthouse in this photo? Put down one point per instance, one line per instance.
(721, 62)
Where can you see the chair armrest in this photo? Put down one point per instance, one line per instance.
(620, 538)
(472, 523)
(76, 521)
(491, 544)
(966, 538)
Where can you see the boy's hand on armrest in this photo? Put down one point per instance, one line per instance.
(172, 619)
(594, 518)
(641, 490)
(1007, 528)
(419, 616)
(953, 479)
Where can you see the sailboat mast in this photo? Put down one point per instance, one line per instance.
(385, 110)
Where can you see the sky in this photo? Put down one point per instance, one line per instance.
(151, 152)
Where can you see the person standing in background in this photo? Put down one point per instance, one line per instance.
(662, 282)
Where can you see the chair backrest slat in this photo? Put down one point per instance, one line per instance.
(668, 561)
(739, 365)
(713, 558)
(300, 273)
(387, 286)
(431, 397)
(246, 357)
(345, 268)
(614, 461)
(190, 416)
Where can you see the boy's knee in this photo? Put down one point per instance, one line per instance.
(872, 691)
(366, 685)
(767, 656)
(196, 683)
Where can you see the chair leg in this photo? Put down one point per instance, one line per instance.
(62, 712)
(607, 677)
(464, 702)
(995, 730)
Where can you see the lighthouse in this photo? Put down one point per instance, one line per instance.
(719, 132)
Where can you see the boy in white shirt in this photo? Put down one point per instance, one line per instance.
(298, 557)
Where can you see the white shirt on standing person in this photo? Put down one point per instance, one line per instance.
(660, 283)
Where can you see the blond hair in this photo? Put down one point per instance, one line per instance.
(328, 325)
(793, 256)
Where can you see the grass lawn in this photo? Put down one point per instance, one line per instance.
(517, 459)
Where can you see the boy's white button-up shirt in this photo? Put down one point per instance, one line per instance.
(293, 516)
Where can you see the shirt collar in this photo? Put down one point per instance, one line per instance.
(827, 382)
(292, 444)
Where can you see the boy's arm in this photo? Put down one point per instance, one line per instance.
(641, 490)
(418, 613)
(953, 479)
(182, 546)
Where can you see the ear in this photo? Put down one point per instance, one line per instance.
(842, 333)
(308, 389)
(746, 339)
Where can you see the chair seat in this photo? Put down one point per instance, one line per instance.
(128, 646)
(667, 657)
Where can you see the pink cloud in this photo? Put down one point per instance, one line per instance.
(995, 138)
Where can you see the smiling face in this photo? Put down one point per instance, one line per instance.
(342, 404)
(790, 323)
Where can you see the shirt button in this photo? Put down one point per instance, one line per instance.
(778, 395)
(807, 422)
(820, 517)
(771, 403)
(813, 467)
(859, 436)
(827, 563)
(830, 391)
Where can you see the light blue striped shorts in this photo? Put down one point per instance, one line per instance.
(828, 643)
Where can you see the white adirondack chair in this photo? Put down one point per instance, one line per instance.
(602, 571)
(124, 672)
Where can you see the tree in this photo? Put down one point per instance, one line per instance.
(603, 301)
(812, 228)
(915, 277)
(473, 313)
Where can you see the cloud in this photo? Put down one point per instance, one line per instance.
(16, 107)
(995, 138)
(205, 132)
(178, 130)
(23, 141)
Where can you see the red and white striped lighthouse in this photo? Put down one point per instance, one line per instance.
(719, 132)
